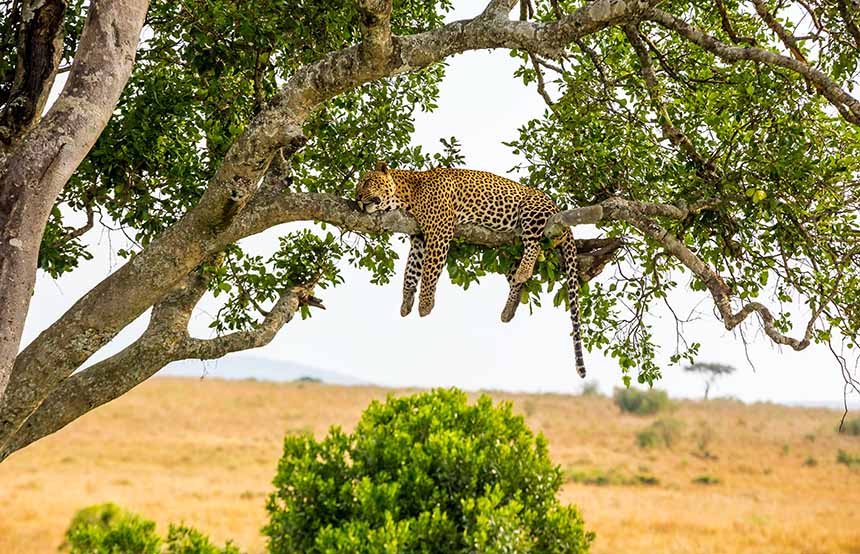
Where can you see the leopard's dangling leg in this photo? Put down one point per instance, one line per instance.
(435, 253)
(532, 223)
(412, 274)
(568, 251)
(514, 296)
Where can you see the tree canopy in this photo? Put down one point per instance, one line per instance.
(719, 141)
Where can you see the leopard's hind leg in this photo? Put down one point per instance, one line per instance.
(412, 275)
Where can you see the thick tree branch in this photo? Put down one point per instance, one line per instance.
(119, 299)
(34, 171)
(165, 340)
(39, 50)
(375, 30)
(847, 105)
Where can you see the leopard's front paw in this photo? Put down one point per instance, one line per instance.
(406, 306)
(425, 306)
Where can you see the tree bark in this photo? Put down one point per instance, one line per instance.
(35, 169)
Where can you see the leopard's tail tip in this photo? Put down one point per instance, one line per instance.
(581, 370)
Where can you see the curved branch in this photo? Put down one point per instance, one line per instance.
(630, 212)
(165, 340)
(848, 106)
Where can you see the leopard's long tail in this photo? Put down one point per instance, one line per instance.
(568, 251)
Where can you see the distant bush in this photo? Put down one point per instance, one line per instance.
(109, 529)
(704, 437)
(665, 432)
(641, 402)
(851, 427)
(308, 379)
(848, 459)
(590, 388)
(707, 480)
(610, 477)
(810, 462)
(426, 473)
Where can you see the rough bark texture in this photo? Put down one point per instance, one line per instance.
(37, 166)
(40, 46)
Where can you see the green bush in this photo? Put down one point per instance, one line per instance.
(851, 460)
(108, 529)
(663, 432)
(851, 427)
(590, 388)
(423, 474)
(707, 480)
(641, 402)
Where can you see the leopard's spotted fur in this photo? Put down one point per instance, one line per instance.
(441, 197)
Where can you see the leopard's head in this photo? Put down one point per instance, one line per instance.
(376, 191)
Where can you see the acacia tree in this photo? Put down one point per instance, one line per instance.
(714, 143)
(711, 372)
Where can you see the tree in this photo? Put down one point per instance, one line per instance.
(711, 371)
(711, 144)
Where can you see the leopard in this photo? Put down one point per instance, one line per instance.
(439, 199)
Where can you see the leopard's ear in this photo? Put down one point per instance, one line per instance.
(382, 166)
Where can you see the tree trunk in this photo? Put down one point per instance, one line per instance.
(37, 166)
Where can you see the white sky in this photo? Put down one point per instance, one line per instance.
(463, 343)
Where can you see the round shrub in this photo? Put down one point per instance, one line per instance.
(641, 402)
(423, 474)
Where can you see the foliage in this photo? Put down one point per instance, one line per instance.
(777, 163)
(641, 402)
(590, 388)
(848, 459)
(664, 432)
(423, 473)
(706, 480)
(851, 427)
(108, 529)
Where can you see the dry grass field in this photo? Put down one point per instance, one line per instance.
(204, 452)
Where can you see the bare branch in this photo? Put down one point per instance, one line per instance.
(848, 106)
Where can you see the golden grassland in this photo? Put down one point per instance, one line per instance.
(204, 452)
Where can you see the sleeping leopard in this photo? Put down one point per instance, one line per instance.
(440, 198)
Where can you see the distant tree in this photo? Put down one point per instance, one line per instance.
(711, 372)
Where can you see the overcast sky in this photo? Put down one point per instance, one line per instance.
(463, 343)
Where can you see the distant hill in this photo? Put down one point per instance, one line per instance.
(253, 367)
